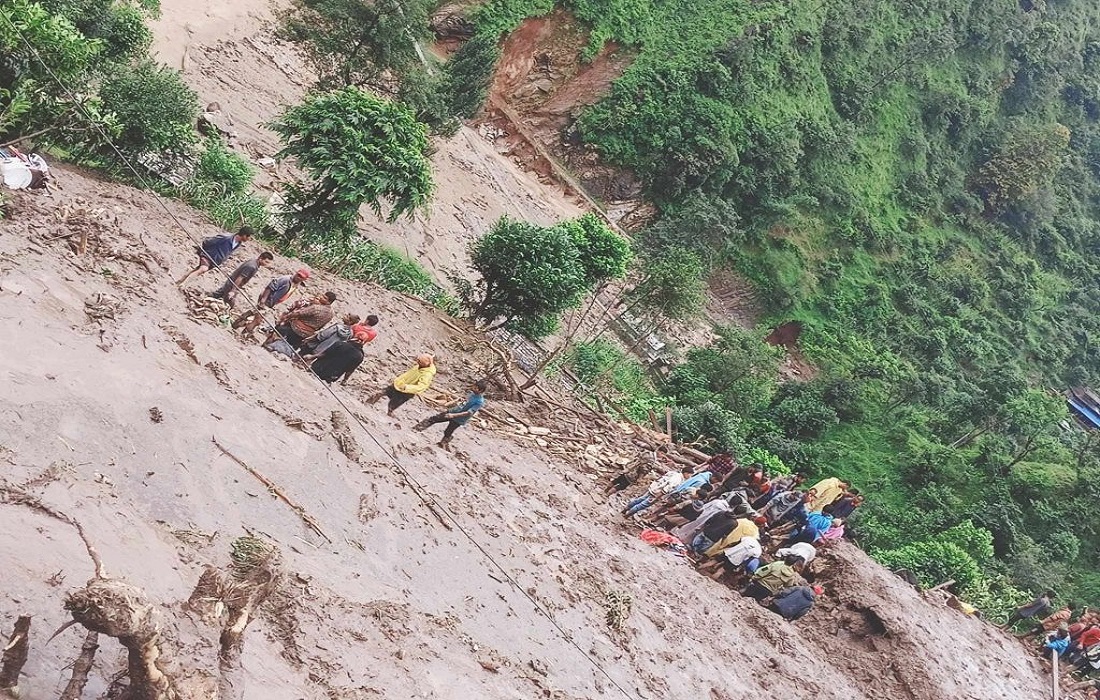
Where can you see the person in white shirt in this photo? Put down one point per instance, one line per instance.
(800, 549)
(741, 558)
(660, 487)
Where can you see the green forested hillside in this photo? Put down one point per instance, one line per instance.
(916, 183)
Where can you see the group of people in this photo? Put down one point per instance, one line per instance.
(1071, 631)
(305, 331)
(758, 533)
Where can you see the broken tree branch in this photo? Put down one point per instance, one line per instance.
(306, 518)
(14, 657)
(16, 497)
(74, 690)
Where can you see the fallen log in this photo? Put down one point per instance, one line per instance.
(120, 610)
(15, 657)
(74, 689)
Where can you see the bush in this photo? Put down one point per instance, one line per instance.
(933, 562)
(156, 111)
(221, 167)
(709, 424)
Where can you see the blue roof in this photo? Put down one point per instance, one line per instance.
(1084, 411)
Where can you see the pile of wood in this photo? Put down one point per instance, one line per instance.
(595, 444)
(203, 308)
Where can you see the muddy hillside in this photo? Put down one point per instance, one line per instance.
(131, 412)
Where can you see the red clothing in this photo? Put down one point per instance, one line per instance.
(721, 464)
(1089, 637)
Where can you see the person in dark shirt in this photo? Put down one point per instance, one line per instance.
(845, 505)
(794, 602)
(457, 416)
(240, 277)
(216, 250)
(340, 360)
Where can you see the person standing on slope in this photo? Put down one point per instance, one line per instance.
(240, 277)
(216, 250)
(276, 292)
(459, 415)
(412, 382)
(342, 358)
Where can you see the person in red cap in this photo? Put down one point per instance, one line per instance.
(276, 292)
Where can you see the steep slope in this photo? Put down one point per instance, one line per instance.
(395, 605)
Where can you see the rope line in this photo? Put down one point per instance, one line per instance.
(427, 499)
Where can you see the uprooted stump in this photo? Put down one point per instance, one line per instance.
(117, 609)
(14, 657)
(235, 594)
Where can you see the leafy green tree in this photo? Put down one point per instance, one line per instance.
(469, 72)
(934, 562)
(1028, 158)
(1031, 416)
(709, 424)
(604, 254)
(155, 109)
(672, 285)
(705, 225)
(358, 43)
(358, 149)
(526, 271)
(28, 97)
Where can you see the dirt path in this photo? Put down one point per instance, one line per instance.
(396, 605)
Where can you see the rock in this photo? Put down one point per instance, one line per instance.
(536, 430)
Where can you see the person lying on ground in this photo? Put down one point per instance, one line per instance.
(1081, 636)
(834, 534)
(1039, 606)
(742, 558)
(637, 470)
(772, 578)
(745, 528)
(240, 277)
(687, 491)
(342, 359)
(825, 492)
(795, 602)
(1051, 622)
(689, 507)
(412, 382)
(748, 478)
(778, 486)
(457, 416)
(1057, 642)
(792, 519)
(717, 527)
(276, 292)
(656, 490)
(844, 506)
(316, 345)
(215, 250)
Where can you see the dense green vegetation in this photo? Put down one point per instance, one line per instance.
(917, 184)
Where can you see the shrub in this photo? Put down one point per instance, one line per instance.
(933, 562)
(223, 168)
(156, 111)
(709, 424)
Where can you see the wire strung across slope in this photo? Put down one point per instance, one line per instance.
(428, 500)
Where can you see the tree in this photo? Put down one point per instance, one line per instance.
(707, 226)
(672, 285)
(1030, 416)
(155, 110)
(1028, 158)
(534, 273)
(358, 43)
(359, 149)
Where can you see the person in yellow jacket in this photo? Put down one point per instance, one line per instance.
(415, 380)
(825, 492)
(745, 528)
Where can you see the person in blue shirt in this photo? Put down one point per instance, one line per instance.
(216, 250)
(457, 416)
